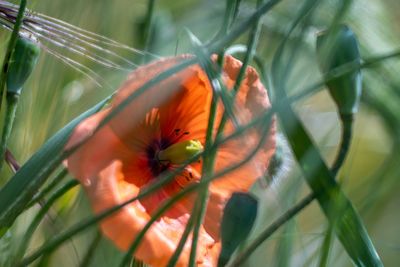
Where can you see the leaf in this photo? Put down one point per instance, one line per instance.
(338, 209)
(17, 193)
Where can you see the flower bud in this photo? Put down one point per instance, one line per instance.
(334, 49)
(22, 63)
(239, 215)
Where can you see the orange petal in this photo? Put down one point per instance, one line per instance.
(97, 152)
(109, 189)
(185, 117)
(251, 101)
(125, 123)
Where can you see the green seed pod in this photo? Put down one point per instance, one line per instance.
(23, 61)
(239, 215)
(334, 49)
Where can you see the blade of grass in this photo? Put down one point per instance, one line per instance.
(16, 194)
(41, 214)
(336, 206)
(338, 209)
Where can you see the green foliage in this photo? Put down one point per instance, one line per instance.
(369, 176)
(17, 193)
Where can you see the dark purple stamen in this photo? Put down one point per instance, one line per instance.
(155, 165)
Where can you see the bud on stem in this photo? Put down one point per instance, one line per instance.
(335, 48)
(22, 63)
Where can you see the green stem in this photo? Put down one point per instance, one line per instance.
(148, 29)
(12, 103)
(40, 215)
(326, 244)
(344, 147)
(59, 177)
(347, 128)
(164, 207)
(10, 48)
(231, 6)
(207, 170)
(189, 226)
(92, 248)
(251, 45)
(244, 254)
(202, 199)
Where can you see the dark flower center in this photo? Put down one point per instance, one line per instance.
(155, 165)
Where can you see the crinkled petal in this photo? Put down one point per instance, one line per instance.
(251, 101)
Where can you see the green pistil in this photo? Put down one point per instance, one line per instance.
(180, 152)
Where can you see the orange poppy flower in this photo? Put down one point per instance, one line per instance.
(152, 135)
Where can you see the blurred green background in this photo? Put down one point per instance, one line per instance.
(56, 93)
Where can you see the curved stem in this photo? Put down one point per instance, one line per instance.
(347, 128)
(271, 229)
(326, 246)
(148, 28)
(40, 215)
(92, 248)
(57, 179)
(12, 103)
(202, 198)
(189, 226)
(347, 122)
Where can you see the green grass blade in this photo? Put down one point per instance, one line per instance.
(17, 193)
(338, 209)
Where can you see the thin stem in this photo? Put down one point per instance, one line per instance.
(271, 229)
(326, 246)
(207, 170)
(148, 28)
(10, 48)
(12, 103)
(202, 199)
(189, 226)
(39, 216)
(343, 150)
(59, 177)
(231, 6)
(251, 45)
(164, 207)
(92, 248)
(347, 127)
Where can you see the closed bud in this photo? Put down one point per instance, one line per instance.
(334, 49)
(239, 215)
(22, 63)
